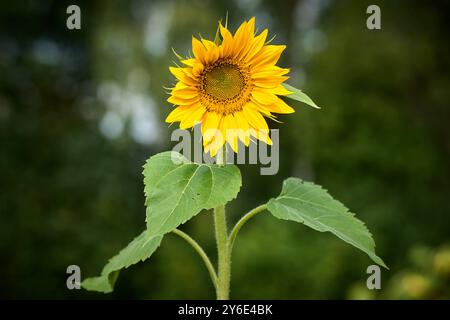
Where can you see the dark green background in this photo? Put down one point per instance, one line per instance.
(71, 194)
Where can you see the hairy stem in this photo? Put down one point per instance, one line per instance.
(223, 254)
(223, 274)
(202, 254)
(241, 222)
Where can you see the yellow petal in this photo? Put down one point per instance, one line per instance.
(197, 70)
(178, 113)
(255, 119)
(189, 62)
(281, 91)
(208, 44)
(264, 136)
(216, 143)
(239, 39)
(281, 107)
(244, 41)
(199, 50)
(212, 55)
(270, 82)
(192, 117)
(240, 31)
(251, 26)
(227, 41)
(210, 125)
(182, 75)
(268, 72)
(243, 131)
(258, 43)
(176, 100)
(214, 146)
(264, 109)
(229, 129)
(180, 85)
(268, 56)
(185, 92)
(264, 96)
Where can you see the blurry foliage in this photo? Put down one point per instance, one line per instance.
(73, 141)
(427, 276)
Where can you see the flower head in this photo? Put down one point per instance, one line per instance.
(229, 86)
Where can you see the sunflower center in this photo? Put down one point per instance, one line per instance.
(224, 81)
(225, 87)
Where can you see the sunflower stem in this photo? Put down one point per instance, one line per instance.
(241, 222)
(223, 254)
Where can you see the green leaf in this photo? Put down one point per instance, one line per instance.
(140, 249)
(299, 95)
(310, 204)
(177, 189)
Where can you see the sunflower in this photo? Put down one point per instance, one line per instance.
(228, 86)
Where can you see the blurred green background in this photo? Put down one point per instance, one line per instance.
(81, 111)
